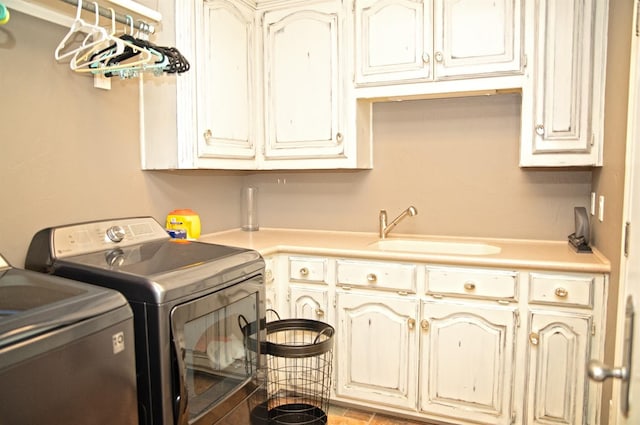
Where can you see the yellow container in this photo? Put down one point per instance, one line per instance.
(185, 219)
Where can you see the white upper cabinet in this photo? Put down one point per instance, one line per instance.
(267, 90)
(393, 40)
(426, 40)
(562, 110)
(303, 72)
(474, 38)
(227, 115)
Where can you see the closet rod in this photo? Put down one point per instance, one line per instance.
(119, 17)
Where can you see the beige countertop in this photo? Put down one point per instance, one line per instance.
(514, 253)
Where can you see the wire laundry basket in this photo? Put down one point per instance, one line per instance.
(299, 355)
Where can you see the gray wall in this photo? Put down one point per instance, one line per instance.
(70, 153)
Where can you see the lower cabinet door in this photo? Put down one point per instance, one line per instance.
(558, 354)
(467, 361)
(377, 349)
(309, 302)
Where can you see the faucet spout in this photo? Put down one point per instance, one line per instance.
(386, 228)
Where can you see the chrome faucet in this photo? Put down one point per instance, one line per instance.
(386, 228)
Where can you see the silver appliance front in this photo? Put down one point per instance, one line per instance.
(66, 352)
(189, 300)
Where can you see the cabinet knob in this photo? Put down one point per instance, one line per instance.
(372, 278)
(208, 135)
(304, 272)
(469, 286)
(561, 293)
(534, 338)
(439, 57)
(426, 58)
(540, 130)
(424, 324)
(339, 137)
(411, 322)
(319, 312)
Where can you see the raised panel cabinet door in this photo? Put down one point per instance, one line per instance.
(309, 303)
(467, 361)
(558, 354)
(226, 114)
(303, 82)
(477, 37)
(563, 94)
(393, 40)
(377, 349)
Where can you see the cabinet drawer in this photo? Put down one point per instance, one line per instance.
(377, 275)
(308, 269)
(479, 283)
(561, 289)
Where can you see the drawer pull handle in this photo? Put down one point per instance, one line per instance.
(469, 286)
(424, 324)
(411, 322)
(534, 338)
(561, 293)
(372, 278)
(304, 272)
(319, 312)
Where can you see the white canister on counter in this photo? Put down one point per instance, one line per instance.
(249, 209)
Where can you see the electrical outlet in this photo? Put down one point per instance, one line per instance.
(593, 203)
(601, 208)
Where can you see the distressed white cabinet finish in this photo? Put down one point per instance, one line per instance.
(477, 37)
(308, 290)
(303, 82)
(393, 40)
(309, 302)
(376, 349)
(268, 89)
(226, 75)
(467, 361)
(456, 344)
(565, 330)
(563, 98)
(413, 40)
(558, 356)
(271, 284)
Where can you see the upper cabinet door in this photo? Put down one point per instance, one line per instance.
(303, 82)
(394, 40)
(226, 76)
(477, 37)
(563, 105)
(563, 69)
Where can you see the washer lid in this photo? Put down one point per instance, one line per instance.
(163, 270)
(34, 303)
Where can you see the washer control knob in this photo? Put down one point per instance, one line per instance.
(115, 233)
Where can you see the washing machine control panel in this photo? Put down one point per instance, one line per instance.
(94, 236)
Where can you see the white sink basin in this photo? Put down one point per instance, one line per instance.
(435, 247)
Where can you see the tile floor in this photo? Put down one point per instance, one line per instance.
(345, 416)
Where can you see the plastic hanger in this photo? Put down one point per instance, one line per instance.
(104, 62)
(112, 46)
(96, 35)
